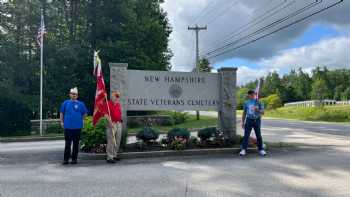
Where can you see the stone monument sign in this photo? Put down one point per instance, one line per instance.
(180, 91)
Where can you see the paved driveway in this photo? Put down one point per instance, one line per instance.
(320, 168)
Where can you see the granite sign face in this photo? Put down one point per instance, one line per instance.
(163, 90)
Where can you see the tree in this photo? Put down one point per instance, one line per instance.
(320, 90)
(134, 32)
(241, 96)
(204, 65)
(345, 96)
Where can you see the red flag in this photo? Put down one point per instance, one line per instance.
(100, 108)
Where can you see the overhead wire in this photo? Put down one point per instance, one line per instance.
(254, 22)
(269, 26)
(277, 30)
(209, 7)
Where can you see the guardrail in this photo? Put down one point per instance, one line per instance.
(315, 103)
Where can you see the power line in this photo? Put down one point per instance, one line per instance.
(255, 21)
(271, 25)
(223, 12)
(277, 30)
(210, 4)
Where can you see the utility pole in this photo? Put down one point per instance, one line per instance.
(197, 29)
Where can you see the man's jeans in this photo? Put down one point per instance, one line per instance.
(248, 126)
(71, 135)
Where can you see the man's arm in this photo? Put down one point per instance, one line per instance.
(243, 117)
(262, 109)
(61, 119)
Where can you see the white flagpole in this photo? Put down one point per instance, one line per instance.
(41, 70)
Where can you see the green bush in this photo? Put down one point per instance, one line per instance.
(134, 124)
(54, 128)
(148, 134)
(14, 117)
(206, 133)
(179, 117)
(272, 102)
(193, 142)
(93, 136)
(178, 133)
(168, 122)
(178, 144)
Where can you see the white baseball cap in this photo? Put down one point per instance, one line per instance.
(74, 90)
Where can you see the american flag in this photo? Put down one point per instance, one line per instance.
(41, 31)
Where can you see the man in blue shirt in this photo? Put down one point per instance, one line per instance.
(72, 114)
(251, 118)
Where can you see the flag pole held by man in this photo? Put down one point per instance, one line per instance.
(108, 109)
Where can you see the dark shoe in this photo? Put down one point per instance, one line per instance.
(64, 162)
(74, 162)
(110, 161)
(116, 159)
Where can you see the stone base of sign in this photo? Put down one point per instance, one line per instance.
(118, 82)
(227, 96)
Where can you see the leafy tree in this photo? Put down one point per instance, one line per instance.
(241, 96)
(204, 65)
(272, 85)
(320, 90)
(345, 96)
(134, 32)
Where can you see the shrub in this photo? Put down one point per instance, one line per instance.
(148, 134)
(272, 102)
(54, 128)
(168, 122)
(194, 140)
(178, 144)
(93, 136)
(206, 133)
(14, 116)
(134, 124)
(179, 117)
(178, 133)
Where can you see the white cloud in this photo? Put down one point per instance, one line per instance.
(332, 53)
(246, 74)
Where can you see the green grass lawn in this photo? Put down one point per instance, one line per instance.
(327, 113)
(191, 123)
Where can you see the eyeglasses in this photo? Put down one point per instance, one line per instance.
(74, 94)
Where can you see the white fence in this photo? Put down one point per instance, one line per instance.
(314, 103)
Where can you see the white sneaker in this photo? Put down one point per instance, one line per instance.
(262, 153)
(243, 152)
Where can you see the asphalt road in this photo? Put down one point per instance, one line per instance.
(320, 168)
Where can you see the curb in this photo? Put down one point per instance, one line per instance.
(29, 139)
(168, 153)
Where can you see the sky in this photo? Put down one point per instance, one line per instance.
(233, 25)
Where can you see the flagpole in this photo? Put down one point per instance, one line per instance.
(41, 72)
